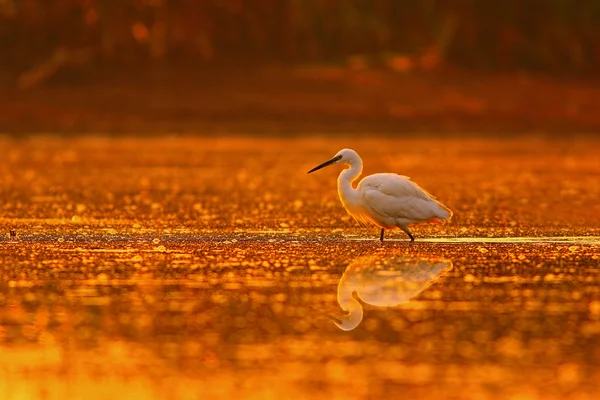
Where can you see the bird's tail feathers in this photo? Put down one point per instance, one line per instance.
(435, 220)
(444, 212)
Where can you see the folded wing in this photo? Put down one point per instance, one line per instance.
(394, 196)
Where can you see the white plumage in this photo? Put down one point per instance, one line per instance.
(385, 200)
(383, 282)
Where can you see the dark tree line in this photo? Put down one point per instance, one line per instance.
(550, 35)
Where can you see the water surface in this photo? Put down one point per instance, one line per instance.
(207, 268)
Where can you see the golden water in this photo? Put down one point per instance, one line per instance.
(203, 268)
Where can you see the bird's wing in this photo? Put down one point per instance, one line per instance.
(384, 205)
(396, 196)
(396, 185)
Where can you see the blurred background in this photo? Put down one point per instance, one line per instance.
(299, 66)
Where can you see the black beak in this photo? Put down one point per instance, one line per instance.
(326, 163)
(334, 319)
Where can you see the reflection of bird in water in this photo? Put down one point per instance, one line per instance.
(388, 201)
(383, 282)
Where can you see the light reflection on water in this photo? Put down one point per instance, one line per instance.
(93, 315)
(173, 269)
(520, 239)
(383, 281)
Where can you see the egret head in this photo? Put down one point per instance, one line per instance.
(349, 321)
(344, 156)
(351, 306)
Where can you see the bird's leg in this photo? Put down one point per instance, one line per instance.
(407, 231)
(381, 235)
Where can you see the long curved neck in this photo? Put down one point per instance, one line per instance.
(345, 298)
(354, 309)
(347, 177)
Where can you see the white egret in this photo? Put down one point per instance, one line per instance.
(383, 282)
(385, 200)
